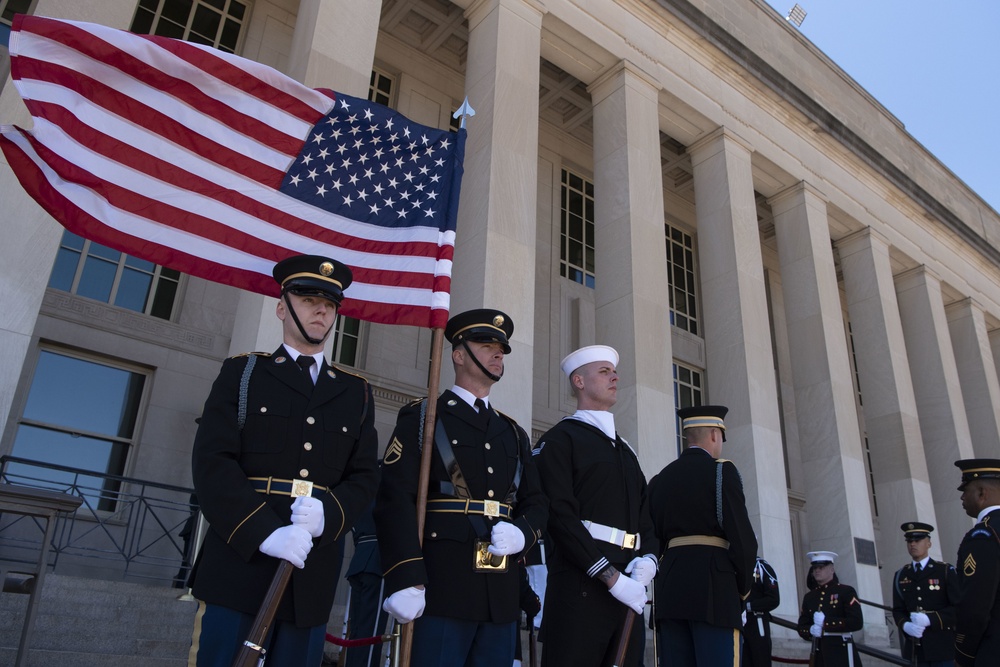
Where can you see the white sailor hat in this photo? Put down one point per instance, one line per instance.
(586, 355)
(821, 557)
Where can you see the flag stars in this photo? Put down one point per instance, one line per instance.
(369, 174)
(362, 195)
(344, 105)
(295, 180)
(340, 149)
(388, 126)
(353, 178)
(374, 209)
(317, 138)
(312, 174)
(346, 163)
(324, 153)
(408, 176)
(424, 140)
(348, 201)
(368, 114)
(307, 158)
(321, 191)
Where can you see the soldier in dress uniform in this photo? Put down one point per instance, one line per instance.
(364, 574)
(977, 626)
(764, 598)
(276, 426)
(830, 614)
(485, 508)
(600, 539)
(924, 596)
(707, 546)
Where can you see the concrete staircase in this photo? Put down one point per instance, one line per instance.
(96, 623)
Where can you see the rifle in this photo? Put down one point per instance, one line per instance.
(532, 645)
(623, 641)
(251, 653)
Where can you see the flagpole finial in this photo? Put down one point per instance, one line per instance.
(463, 112)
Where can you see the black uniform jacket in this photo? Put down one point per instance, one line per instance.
(977, 627)
(934, 591)
(366, 558)
(588, 478)
(696, 582)
(839, 603)
(323, 434)
(488, 457)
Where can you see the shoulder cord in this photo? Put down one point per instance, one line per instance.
(241, 417)
(718, 493)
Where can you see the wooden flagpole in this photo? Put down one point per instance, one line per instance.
(430, 417)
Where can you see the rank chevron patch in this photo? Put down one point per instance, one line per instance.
(393, 452)
(969, 566)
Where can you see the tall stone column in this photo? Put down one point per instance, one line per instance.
(902, 485)
(333, 47)
(977, 373)
(495, 242)
(937, 389)
(632, 312)
(738, 337)
(836, 487)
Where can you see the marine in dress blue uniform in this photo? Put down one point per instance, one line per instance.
(764, 598)
(485, 509)
(977, 626)
(599, 529)
(266, 427)
(924, 596)
(707, 544)
(830, 614)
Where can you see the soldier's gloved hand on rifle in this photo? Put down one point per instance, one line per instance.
(913, 629)
(505, 539)
(307, 514)
(642, 569)
(630, 593)
(920, 618)
(818, 618)
(816, 630)
(405, 604)
(289, 543)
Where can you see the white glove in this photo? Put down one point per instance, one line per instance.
(289, 543)
(307, 514)
(818, 618)
(405, 604)
(642, 569)
(743, 617)
(630, 593)
(816, 630)
(920, 618)
(913, 629)
(506, 539)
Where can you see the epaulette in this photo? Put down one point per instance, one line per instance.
(247, 354)
(415, 401)
(347, 372)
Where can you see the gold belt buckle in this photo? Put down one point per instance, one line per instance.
(629, 541)
(301, 487)
(491, 508)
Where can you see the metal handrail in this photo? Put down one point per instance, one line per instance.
(862, 648)
(126, 527)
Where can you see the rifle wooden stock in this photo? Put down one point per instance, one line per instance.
(250, 653)
(623, 641)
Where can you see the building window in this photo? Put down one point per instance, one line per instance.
(380, 88)
(576, 229)
(97, 272)
(91, 429)
(688, 392)
(680, 273)
(346, 341)
(866, 446)
(217, 23)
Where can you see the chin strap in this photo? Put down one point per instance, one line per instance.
(495, 378)
(309, 339)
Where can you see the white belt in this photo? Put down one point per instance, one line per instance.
(612, 535)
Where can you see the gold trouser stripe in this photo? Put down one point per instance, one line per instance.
(700, 540)
(196, 636)
(736, 648)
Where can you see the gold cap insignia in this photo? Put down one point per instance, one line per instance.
(393, 452)
(909, 526)
(498, 321)
(326, 268)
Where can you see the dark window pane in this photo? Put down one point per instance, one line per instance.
(576, 228)
(97, 280)
(142, 23)
(206, 23)
(219, 4)
(177, 11)
(133, 290)
(151, 5)
(237, 10)
(170, 29)
(230, 34)
(163, 299)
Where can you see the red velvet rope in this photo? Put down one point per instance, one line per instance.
(364, 641)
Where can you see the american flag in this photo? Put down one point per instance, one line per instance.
(219, 166)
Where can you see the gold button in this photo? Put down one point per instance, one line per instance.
(434, 534)
(263, 409)
(344, 429)
(308, 446)
(489, 469)
(490, 493)
(454, 442)
(303, 473)
(310, 420)
(487, 445)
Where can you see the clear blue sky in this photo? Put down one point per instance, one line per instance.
(934, 64)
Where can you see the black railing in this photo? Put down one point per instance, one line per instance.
(126, 528)
(862, 648)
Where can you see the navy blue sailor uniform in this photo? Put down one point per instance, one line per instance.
(598, 516)
(843, 616)
(490, 453)
(977, 625)
(244, 459)
(934, 590)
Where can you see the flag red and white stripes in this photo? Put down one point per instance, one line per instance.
(219, 166)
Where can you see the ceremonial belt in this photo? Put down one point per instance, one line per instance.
(846, 636)
(612, 535)
(491, 508)
(271, 486)
(699, 540)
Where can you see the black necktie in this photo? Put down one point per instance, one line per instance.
(306, 362)
(484, 412)
(917, 567)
